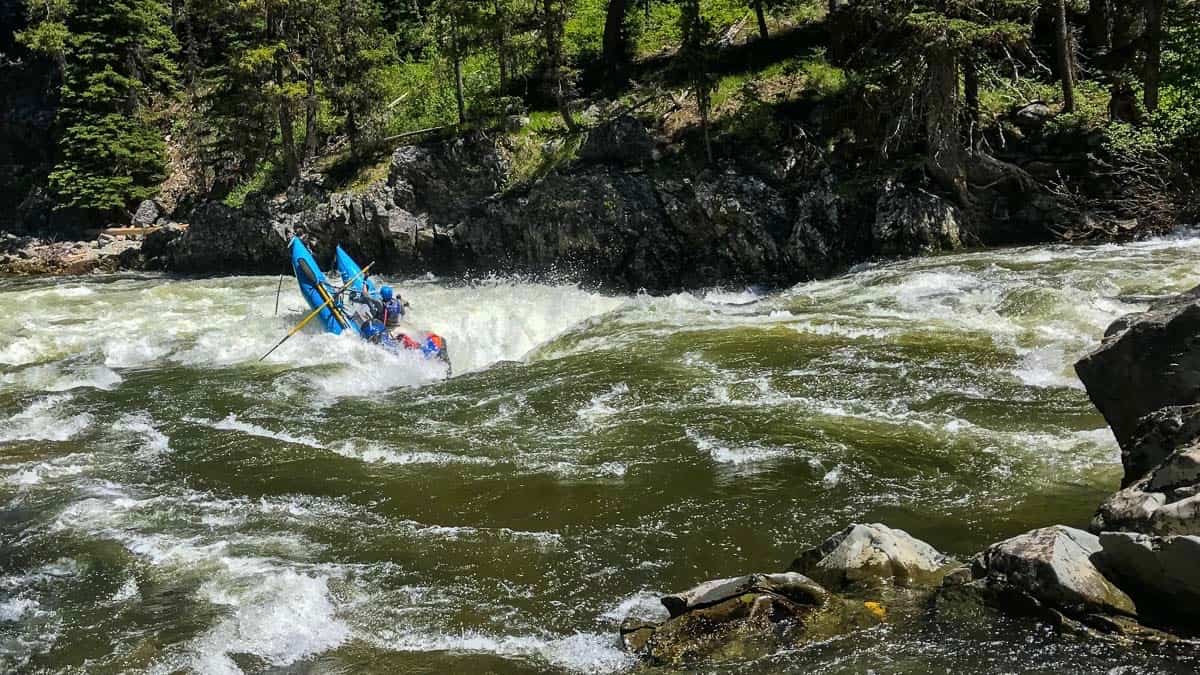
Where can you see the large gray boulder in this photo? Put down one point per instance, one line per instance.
(870, 555)
(1156, 436)
(910, 220)
(1053, 567)
(1162, 570)
(1147, 362)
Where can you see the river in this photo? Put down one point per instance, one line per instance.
(171, 504)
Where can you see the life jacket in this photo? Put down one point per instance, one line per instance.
(392, 312)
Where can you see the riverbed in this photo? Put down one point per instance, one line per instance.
(170, 503)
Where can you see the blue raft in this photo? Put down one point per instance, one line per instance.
(317, 290)
(338, 317)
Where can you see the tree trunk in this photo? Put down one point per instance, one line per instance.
(616, 47)
(943, 133)
(762, 19)
(501, 36)
(1099, 25)
(456, 54)
(1153, 68)
(287, 132)
(1066, 67)
(310, 115)
(971, 94)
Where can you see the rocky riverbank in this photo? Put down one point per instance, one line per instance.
(1133, 579)
(619, 208)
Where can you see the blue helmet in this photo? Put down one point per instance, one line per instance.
(386, 293)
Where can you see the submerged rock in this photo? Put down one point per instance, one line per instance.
(1050, 568)
(872, 554)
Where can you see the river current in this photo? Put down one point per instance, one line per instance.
(170, 504)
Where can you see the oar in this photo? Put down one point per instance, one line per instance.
(277, 292)
(328, 301)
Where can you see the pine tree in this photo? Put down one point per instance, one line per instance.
(114, 54)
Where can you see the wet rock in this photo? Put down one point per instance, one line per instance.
(147, 214)
(622, 141)
(1147, 362)
(872, 554)
(909, 221)
(1051, 568)
(791, 585)
(1162, 570)
(744, 617)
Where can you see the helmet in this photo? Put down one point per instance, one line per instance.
(386, 293)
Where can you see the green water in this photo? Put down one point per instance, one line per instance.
(171, 505)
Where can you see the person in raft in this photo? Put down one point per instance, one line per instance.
(387, 309)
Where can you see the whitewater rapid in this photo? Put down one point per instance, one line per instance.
(171, 503)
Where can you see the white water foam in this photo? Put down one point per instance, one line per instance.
(48, 418)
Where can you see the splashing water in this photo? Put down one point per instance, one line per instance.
(171, 504)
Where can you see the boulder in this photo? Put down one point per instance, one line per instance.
(1147, 362)
(147, 214)
(1156, 436)
(621, 141)
(117, 254)
(1161, 570)
(1033, 115)
(744, 618)
(910, 221)
(1166, 501)
(1053, 568)
(870, 555)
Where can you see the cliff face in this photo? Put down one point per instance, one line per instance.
(616, 216)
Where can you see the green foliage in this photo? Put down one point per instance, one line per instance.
(114, 55)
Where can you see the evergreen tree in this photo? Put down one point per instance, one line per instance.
(114, 55)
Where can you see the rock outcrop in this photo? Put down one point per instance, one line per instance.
(616, 216)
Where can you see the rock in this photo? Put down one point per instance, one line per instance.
(515, 123)
(1166, 501)
(910, 221)
(1161, 570)
(1033, 115)
(870, 555)
(744, 617)
(158, 247)
(621, 141)
(117, 254)
(1147, 362)
(795, 587)
(1054, 568)
(1156, 436)
(147, 214)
